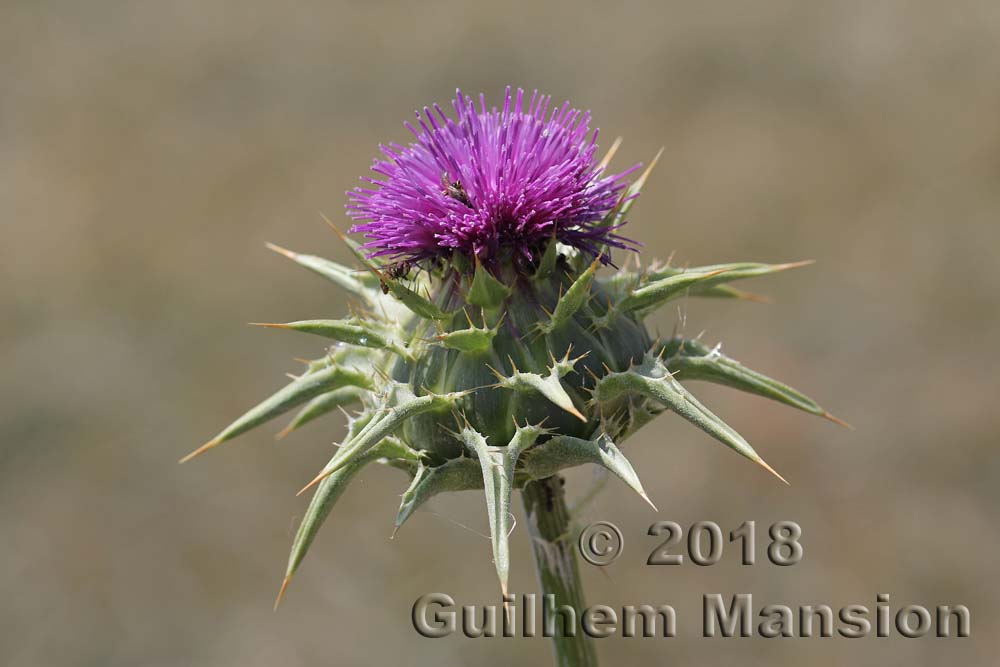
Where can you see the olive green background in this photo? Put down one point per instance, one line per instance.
(148, 151)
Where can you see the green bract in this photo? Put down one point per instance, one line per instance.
(471, 379)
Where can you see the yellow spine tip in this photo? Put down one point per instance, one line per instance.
(316, 480)
(201, 450)
(751, 296)
(642, 494)
(281, 593)
(763, 464)
(794, 265)
(281, 251)
(836, 420)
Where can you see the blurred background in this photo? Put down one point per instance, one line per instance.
(149, 150)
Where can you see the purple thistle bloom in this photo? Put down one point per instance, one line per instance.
(493, 184)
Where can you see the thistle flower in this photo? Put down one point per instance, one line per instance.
(489, 353)
(494, 185)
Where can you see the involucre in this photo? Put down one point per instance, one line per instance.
(493, 342)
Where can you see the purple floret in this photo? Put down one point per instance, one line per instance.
(493, 184)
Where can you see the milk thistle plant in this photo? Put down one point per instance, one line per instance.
(492, 342)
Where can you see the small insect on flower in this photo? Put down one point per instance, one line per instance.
(455, 190)
(398, 271)
(507, 217)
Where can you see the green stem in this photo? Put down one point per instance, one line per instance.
(555, 560)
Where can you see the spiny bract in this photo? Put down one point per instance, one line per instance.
(492, 352)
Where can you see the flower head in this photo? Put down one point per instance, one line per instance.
(492, 184)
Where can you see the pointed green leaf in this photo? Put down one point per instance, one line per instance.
(725, 273)
(295, 393)
(563, 452)
(460, 262)
(416, 303)
(359, 283)
(404, 405)
(460, 474)
(655, 294)
(727, 292)
(654, 381)
(547, 265)
(563, 367)
(328, 493)
(690, 360)
(575, 297)
(323, 404)
(498, 486)
(352, 331)
(620, 283)
(323, 500)
(548, 386)
(524, 438)
(497, 475)
(474, 340)
(486, 291)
